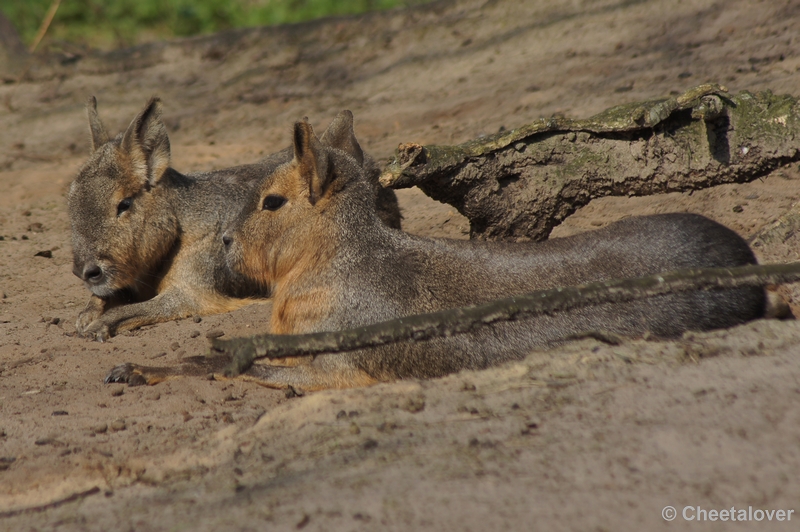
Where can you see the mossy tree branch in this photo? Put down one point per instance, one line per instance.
(461, 320)
(522, 183)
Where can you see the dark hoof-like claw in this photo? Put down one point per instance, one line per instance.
(126, 373)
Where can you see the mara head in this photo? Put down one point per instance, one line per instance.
(120, 230)
(294, 218)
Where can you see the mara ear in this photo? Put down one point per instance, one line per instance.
(340, 135)
(311, 160)
(96, 129)
(147, 144)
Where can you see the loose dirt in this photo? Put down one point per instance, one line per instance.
(589, 436)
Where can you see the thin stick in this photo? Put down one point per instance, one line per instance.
(50, 505)
(461, 320)
(48, 18)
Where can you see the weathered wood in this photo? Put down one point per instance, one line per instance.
(461, 320)
(522, 183)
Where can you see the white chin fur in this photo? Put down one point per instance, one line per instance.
(101, 290)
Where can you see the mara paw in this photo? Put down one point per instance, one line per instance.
(128, 373)
(97, 330)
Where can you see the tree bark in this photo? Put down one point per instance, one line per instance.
(461, 320)
(519, 184)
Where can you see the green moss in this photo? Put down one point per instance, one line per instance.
(764, 115)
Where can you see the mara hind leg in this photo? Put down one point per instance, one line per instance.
(302, 377)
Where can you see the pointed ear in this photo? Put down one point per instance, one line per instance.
(96, 129)
(147, 143)
(311, 160)
(340, 135)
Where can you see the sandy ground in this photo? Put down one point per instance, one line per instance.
(586, 437)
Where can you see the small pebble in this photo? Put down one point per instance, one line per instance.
(738, 208)
(49, 440)
(303, 522)
(194, 334)
(175, 346)
(46, 253)
(414, 404)
(214, 333)
(36, 227)
(116, 392)
(530, 426)
(369, 444)
(100, 428)
(60, 413)
(197, 319)
(354, 429)
(118, 425)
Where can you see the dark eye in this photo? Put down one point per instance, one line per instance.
(273, 202)
(124, 205)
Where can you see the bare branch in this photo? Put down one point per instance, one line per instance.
(461, 320)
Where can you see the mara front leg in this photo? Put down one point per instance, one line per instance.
(169, 305)
(94, 309)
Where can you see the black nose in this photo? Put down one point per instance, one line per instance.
(92, 273)
(226, 240)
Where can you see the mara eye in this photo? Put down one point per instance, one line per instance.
(273, 202)
(124, 205)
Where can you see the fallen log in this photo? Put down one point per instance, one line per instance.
(520, 184)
